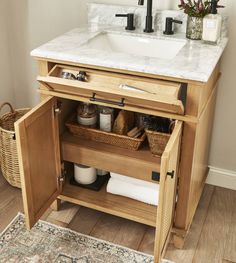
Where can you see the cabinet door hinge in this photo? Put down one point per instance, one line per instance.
(60, 181)
(57, 107)
(62, 177)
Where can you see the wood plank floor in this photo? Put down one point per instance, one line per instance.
(212, 237)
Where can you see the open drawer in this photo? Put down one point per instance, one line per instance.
(115, 89)
(38, 144)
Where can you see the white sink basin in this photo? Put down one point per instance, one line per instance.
(134, 45)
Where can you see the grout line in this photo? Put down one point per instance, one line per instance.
(74, 215)
(208, 208)
(99, 219)
(142, 238)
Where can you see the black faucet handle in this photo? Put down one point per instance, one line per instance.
(169, 25)
(130, 20)
(177, 21)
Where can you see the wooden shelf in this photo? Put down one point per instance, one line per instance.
(139, 164)
(111, 204)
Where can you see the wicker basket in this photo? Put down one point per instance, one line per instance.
(105, 137)
(8, 153)
(157, 141)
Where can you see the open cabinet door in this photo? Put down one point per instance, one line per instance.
(37, 138)
(167, 195)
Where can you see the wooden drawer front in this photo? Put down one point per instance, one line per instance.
(117, 90)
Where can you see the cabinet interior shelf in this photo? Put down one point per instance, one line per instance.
(139, 164)
(111, 204)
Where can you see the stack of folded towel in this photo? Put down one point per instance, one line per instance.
(140, 190)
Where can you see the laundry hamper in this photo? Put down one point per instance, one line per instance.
(8, 152)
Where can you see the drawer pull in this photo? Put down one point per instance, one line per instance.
(120, 104)
(171, 174)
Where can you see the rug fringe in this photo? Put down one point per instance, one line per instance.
(74, 232)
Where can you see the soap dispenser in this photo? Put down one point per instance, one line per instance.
(212, 25)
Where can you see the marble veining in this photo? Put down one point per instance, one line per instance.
(103, 14)
(195, 61)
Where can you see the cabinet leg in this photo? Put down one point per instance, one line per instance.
(178, 241)
(56, 205)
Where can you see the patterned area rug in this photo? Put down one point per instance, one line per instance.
(50, 243)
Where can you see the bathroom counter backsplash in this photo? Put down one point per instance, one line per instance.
(195, 61)
(104, 14)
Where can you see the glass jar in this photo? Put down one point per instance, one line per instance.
(106, 119)
(194, 28)
(67, 74)
(140, 119)
(87, 114)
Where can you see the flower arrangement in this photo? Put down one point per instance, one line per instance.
(197, 8)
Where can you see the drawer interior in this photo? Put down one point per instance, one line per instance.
(112, 88)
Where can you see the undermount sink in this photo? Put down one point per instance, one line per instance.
(135, 45)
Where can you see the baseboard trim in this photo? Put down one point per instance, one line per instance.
(222, 178)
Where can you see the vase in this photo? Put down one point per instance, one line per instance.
(194, 28)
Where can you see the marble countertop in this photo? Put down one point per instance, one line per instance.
(195, 61)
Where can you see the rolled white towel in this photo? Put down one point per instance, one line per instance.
(149, 195)
(134, 180)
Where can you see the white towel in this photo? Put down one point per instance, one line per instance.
(149, 195)
(134, 181)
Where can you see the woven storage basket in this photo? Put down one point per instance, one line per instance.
(157, 141)
(105, 137)
(8, 153)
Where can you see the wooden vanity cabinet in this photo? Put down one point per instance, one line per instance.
(42, 150)
(43, 180)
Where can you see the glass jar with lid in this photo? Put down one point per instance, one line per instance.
(106, 118)
(87, 114)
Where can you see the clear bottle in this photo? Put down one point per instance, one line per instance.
(106, 119)
(212, 25)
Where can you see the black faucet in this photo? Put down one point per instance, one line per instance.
(169, 25)
(148, 27)
(130, 20)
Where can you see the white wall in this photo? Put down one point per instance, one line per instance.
(223, 145)
(160, 4)
(6, 90)
(35, 22)
(48, 19)
(18, 35)
(223, 150)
